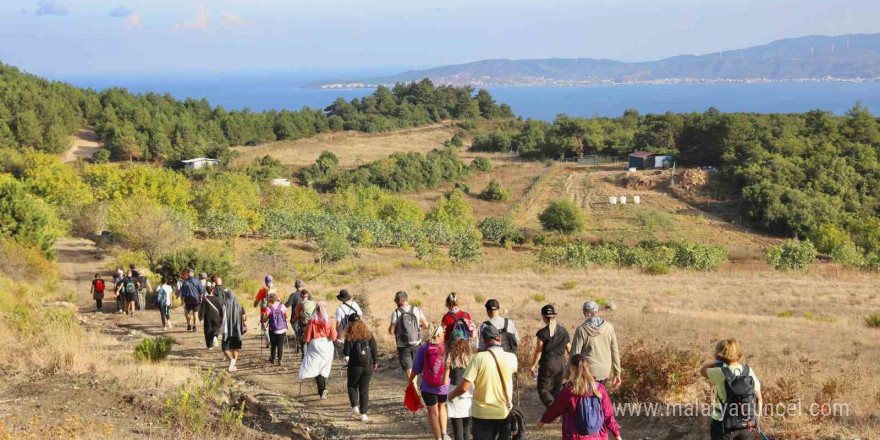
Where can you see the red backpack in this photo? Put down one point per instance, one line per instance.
(435, 365)
(99, 285)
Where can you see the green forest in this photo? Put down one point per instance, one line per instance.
(39, 114)
(812, 175)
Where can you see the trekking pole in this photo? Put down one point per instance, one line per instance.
(762, 434)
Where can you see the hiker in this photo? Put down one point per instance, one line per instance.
(260, 300)
(406, 326)
(276, 321)
(191, 293)
(430, 363)
(490, 374)
(457, 358)
(595, 338)
(553, 344)
(128, 288)
(233, 328)
(211, 315)
(164, 293)
(143, 287)
(292, 304)
(509, 334)
(586, 410)
(738, 398)
(347, 307)
(117, 283)
(457, 319)
(98, 292)
(203, 278)
(318, 359)
(302, 315)
(133, 272)
(362, 354)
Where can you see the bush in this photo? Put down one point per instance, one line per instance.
(494, 192)
(500, 230)
(191, 408)
(656, 268)
(220, 224)
(873, 320)
(153, 350)
(604, 255)
(481, 164)
(570, 284)
(652, 219)
(698, 256)
(463, 187)
(21, 262)
(333, 247)
(791, 255)
(465, 246)
(101, 156)
(654, 372)
(563, 216)
(144, 225)
(211, 260)
(849, 255)
(652, 256)
(26, 220)
(453, 211)
(828, 237)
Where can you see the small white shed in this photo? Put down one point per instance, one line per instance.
(199, 162)
(280, 182)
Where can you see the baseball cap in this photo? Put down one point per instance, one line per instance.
(591, 306)
(492, 304)
(489, 332)
(548, 310)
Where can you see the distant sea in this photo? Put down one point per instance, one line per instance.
(282, 91)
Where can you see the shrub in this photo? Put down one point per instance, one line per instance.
(231, 193)
(333, 247)
(698, 256)
(538, 297)
(570, 284)
(153, 350)
(219, 224)
(462, 186)
(849, 255)
(101, 156)
(144, 225)
(563, 216)
(652, 219)
(791, 255)
(21, 262)
(873, 320)
(190, 409)
(785, 314)
(655, 372)
(453, 211)
(465, 246)
(828, 237)
(481, 164)
(500, 230)
(26, 220)
(479, 298)
(604, 255)
(425, 249)
(211, 260)
(656, 268)
(494, 192)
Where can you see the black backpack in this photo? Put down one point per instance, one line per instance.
(517, 424)
(359, 353)
(508, 341)
(343, 323)
(740, 410)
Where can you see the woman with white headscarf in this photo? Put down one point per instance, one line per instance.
(318, 360)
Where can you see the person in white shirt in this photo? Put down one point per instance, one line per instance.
(347, 307)
(509, 334)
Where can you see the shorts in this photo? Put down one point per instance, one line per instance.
(231, 343)
(433, 399)
(129, 297)
(406, 355)
(191, 307)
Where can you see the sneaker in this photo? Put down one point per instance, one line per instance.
(271, 361)
(211, 348)
(232, 369)
(355, 412)
(364, 418)
(188, 327)
(446, 436)
(324, 395)
(344, 367)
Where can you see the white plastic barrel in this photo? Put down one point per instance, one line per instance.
(612, 200)
(623, 200)
(637, 200)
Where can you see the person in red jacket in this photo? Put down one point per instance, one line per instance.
(581, 385)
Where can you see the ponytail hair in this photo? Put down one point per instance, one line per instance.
(580, 379)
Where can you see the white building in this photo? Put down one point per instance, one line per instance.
(199, 162)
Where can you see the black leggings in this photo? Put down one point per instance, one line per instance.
(212, 330)
(99, 303)
(550, 378)
(461, 428)
(359, 387)
(277, 341)
(321, 381)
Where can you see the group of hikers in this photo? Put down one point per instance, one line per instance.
(466, 371)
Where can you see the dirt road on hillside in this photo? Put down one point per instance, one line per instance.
(82, 146)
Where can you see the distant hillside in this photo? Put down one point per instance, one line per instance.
(845, 57)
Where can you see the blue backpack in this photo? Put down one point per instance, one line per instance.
(589, 416)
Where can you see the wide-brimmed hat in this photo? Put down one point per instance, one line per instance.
(344, 295)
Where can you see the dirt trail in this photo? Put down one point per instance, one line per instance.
(82, 146)
(276, 387)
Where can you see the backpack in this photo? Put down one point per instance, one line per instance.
(190, 293)
(460, 324)
(433, 368)
(344, 321)
(276, 319)
(589, 416)
(359, 354)
(99, 285)
(508, 340)
(407, 329)
(308, 309)
(129, 287)
(740, 409)
(517, 424)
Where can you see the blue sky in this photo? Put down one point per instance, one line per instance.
(87, 37)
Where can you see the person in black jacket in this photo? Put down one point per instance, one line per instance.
(211, 314)
(360, 348)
